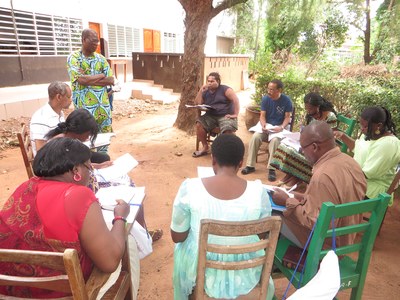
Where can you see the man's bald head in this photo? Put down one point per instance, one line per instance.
(316, 139)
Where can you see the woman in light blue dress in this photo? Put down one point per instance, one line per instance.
(227, 197)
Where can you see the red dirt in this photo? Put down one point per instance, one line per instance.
(148, 134)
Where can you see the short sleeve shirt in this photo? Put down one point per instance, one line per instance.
(276, 109)
(42, 121)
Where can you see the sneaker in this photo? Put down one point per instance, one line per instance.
(271, 175)
(248, 170)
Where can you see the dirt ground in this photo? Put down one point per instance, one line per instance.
(164, 155)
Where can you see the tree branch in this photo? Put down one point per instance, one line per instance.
(224, 5)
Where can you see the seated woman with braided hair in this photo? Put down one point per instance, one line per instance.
(377, 150)
(291, 161)
(80, 124)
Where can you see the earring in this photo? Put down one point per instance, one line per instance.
(77, 177)
(377, 132)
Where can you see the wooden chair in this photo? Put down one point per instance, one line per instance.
(345, 125)
(352, 271)
(210, 135)
(224, 228)
(72, 281)
(291, 126)
(26, 149)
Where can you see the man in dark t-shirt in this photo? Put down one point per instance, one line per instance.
(276, 110)
(223, 111)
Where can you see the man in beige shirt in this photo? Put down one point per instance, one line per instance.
(336, 178)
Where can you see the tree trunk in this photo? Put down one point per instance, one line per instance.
(198, 16)
(367, 33)
(196, 23)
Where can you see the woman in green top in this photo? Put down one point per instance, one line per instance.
(377, 150)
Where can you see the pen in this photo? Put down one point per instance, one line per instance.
(107, 208)
(135, 204)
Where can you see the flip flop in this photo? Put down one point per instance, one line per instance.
(156, 234)
(200, 153)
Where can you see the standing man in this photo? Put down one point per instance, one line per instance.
(276, 109)
(336, 178)
(223, 113)
(90, 75)
(47, 117)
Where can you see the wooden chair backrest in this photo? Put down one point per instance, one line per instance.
(352, 272)
(68, 263)
(245, 228)
(346, 125)
(26, 149)
(72, 280)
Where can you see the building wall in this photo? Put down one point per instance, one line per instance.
(166, 69)
(26, 70)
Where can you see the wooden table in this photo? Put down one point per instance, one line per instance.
(114, 62)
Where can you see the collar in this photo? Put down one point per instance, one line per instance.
(328, 155)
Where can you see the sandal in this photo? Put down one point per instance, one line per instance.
(200, 153)
(156, 234)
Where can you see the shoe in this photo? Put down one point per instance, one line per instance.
(248, 170)
(271, 175)
(156, 234)
(200, 153)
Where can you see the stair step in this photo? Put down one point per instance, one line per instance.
(156, 93)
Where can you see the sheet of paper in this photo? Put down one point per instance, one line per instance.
(271, 135)
(102, 139)
(292, 135)
(134, 204)
(107, 196)
(280, 134)
(200, 106)
(120, 167)
(203, 172)
(270, 188)
(291, 143)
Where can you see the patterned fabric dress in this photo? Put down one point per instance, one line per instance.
(92, 98)
(27, 223)
(291, 162)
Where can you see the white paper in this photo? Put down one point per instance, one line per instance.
(120, 167)
(271, 134)
(134, 205)
(203, 172)
(107, 196)
(292, 135)
(102, 139)
(291, 143)
(200, 106)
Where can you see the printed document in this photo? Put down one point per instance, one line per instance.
(120, 167)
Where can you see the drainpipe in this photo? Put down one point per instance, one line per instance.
(16, 37)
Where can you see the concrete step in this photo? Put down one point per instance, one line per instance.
(146, 90)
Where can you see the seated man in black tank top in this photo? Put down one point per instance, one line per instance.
(223, 113)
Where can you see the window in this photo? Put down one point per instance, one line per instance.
(122, 41)
(38, 34)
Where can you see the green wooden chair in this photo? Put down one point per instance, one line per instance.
(347, 126)
(352, 271)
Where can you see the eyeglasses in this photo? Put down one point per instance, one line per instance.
(90, 168)
(314, 142)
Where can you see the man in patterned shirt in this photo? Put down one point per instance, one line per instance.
(90, 75)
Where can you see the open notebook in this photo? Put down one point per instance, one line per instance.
(108, 196)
